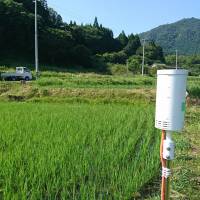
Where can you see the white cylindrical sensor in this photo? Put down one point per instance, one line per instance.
(170, 99)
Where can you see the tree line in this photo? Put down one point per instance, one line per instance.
(190, 62)
(60, 43)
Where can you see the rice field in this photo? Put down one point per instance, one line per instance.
(89, 136)
(76, 151)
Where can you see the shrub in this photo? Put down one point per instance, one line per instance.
(134, 64)
(117, 69)
(153, 70)
(116, 57)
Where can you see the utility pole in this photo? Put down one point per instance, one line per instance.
(176, 59)
(127, 70)
(143, 56)
(36, 43)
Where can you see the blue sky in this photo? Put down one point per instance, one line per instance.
(132, 16)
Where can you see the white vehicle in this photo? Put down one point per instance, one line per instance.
(22, 73)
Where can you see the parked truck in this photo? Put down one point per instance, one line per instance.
(21, 73)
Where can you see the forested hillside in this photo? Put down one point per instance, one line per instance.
(183, 35)
(68, 44)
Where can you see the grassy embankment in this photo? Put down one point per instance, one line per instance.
(68, 87)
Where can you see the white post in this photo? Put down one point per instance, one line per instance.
(168, 155)
(36, 43)
(176, 59)
(127, 70)
(143, 57)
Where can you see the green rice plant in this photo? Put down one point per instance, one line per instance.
(94, 80)
(50, 81)
(194, 87)
(76, 151)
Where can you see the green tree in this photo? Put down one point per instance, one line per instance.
(115, 57)
(123, 39)
(82, 55)
(96, 23)
(153, 53)
(134, 64)
(55, 18)
(133, 45)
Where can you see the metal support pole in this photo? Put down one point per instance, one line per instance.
(127, 70)
(163, 161)
(143, 56)
(167, 157)
(176, 59)
(167, 194)
(36, 43)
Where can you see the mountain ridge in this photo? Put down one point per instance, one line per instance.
(183, 35)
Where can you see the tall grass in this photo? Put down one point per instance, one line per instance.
(194, 87)
(77, 151)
